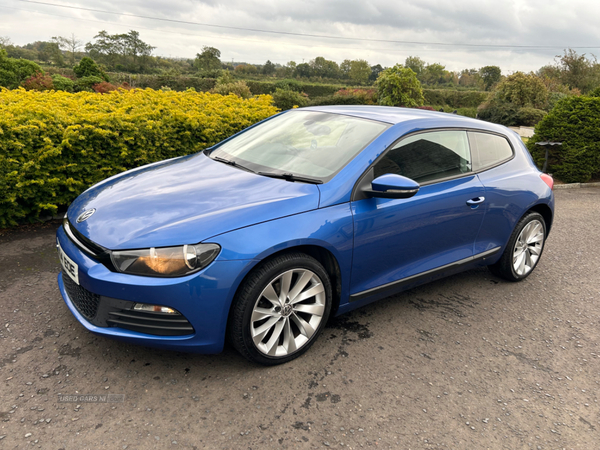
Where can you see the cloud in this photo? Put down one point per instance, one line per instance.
(559, 24)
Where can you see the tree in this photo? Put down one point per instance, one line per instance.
(375, 71)
(247, 69)
(13, 71)
(359, 71)
(521, 90)
(208, 59)
(268, 68)
(470, 78)
(136, 49)
(68, 44)
(324, 68)
(490, 76)
(399, 86)
(433, 74)
(416, 64)
(87, 67)
(345, 68)
(121, 51)
(579, 72)
(5, 41)
(519, 99)
(303, 70)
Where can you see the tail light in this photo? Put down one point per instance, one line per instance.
(548, 180)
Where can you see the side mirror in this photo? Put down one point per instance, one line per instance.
(392, 186)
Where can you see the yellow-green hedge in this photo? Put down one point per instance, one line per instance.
(54, 145)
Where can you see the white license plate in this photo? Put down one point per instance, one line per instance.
(68, 266)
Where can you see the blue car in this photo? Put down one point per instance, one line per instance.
(304, 216)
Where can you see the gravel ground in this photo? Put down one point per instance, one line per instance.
(466, 362)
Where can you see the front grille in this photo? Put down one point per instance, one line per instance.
(85, 301)
(159, 324)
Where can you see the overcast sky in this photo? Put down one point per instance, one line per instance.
(515, 35)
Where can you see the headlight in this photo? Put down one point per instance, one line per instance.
(166, 261)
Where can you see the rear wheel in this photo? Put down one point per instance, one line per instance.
(281, 309)
(524, 249)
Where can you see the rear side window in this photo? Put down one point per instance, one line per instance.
(488, 150)
(427, 157)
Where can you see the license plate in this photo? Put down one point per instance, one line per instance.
(68, 266)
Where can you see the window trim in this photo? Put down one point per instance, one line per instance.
(356, 191)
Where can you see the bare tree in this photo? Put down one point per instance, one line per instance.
(68, 44)
(4, 41)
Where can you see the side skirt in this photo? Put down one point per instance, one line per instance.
(395, 285)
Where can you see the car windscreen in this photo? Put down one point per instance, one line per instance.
(303, 143)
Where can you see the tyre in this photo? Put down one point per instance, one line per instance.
(524, 249)
(280, 309)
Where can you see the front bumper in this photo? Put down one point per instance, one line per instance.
(203, 299)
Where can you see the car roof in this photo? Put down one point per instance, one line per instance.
(395, 115)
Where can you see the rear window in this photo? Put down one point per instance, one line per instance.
(488, 150)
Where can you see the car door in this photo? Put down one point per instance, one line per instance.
(395, 239)
(506, 190)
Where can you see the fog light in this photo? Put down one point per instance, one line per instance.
(154, 308)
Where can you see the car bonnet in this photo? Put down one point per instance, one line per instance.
(183, 201)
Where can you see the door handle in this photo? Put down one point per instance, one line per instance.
(475, 201)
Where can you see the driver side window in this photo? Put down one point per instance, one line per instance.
(427, 157)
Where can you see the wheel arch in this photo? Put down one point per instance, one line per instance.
(546, 212)
(324, 256)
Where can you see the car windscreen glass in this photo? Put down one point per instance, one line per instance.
(304, 143)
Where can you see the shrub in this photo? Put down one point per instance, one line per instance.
(54, 145)
(39, 82)
(467, 112)
(529, 117)
(320, 90)
(104, 87)
(288, 85)
(239, 88)
(504, 114)
(595, 92)
(88, 68)
(356, 96)
(62, 83)
(554, 98)
(574, 121)
(13, 71)
(322, 101)
(212, 73)
(399, 86)
(86, 84)
(284, 99)
(521, 90)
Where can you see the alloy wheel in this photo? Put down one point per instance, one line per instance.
(528, 247)
(288, 312)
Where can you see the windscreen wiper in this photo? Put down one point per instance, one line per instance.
(291, 177)
(231, 163)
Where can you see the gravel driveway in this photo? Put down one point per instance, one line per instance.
(469, 362)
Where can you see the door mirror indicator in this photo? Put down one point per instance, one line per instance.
(392, 186)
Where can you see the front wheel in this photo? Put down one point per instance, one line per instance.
(524, 249)
(280, 309)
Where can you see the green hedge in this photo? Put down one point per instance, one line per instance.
(312, 90)
(54, 145)
(156, 82)
(455, 99)
(574, 121)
